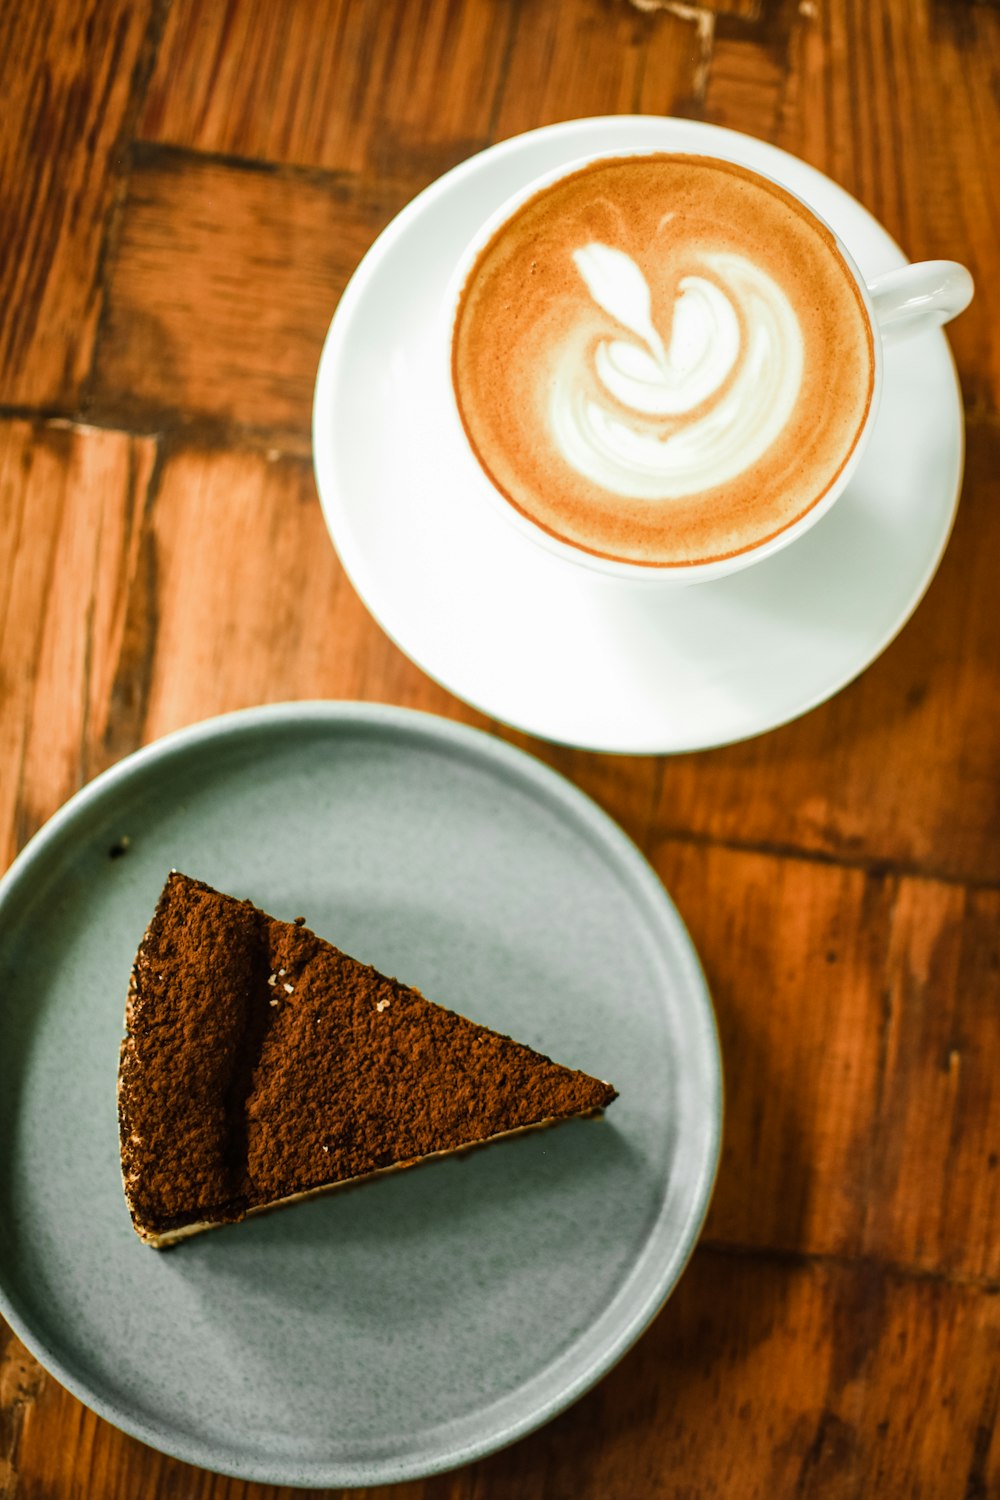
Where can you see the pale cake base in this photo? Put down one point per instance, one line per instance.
(169, 1237)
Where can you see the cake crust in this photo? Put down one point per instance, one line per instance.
(261, 1065)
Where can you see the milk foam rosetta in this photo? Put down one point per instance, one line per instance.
(730, 320)
(662, 359)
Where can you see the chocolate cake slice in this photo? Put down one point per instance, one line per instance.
(261, 1065)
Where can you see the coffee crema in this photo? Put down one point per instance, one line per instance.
(662, 359)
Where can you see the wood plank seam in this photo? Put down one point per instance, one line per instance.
(875, 868)
(135, 689)
(900, 1271)
(25, 825)
(22, 1381)
(142, 73)
(147, 153)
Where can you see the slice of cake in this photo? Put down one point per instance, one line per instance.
(261, 1065)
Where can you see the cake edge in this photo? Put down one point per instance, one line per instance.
(163, 1239)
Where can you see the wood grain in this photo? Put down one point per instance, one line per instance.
(222, 287)
(71, 502)
(331, 84)
(934, 1188)
(399, 87)
(793, 956)
(858, 1016)
(67, 80)
(568, 61)
(223, 639)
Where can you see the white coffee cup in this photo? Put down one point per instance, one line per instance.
(899, 304)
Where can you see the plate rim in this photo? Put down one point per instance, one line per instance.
(493, 754)
(323, 447)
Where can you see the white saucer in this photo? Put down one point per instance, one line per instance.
(555, 649)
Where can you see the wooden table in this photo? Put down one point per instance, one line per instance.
(186, 187)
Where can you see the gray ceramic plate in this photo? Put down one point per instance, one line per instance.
(425, 1320)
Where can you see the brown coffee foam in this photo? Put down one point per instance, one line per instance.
(524, 291)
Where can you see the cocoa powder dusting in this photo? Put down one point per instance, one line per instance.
(261, 1061)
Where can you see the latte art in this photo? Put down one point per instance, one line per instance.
(669, 422)
(703, 348)
(662, 359)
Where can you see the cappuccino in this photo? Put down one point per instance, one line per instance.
(662, 360)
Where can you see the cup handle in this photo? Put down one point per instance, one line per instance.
(919, 297)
